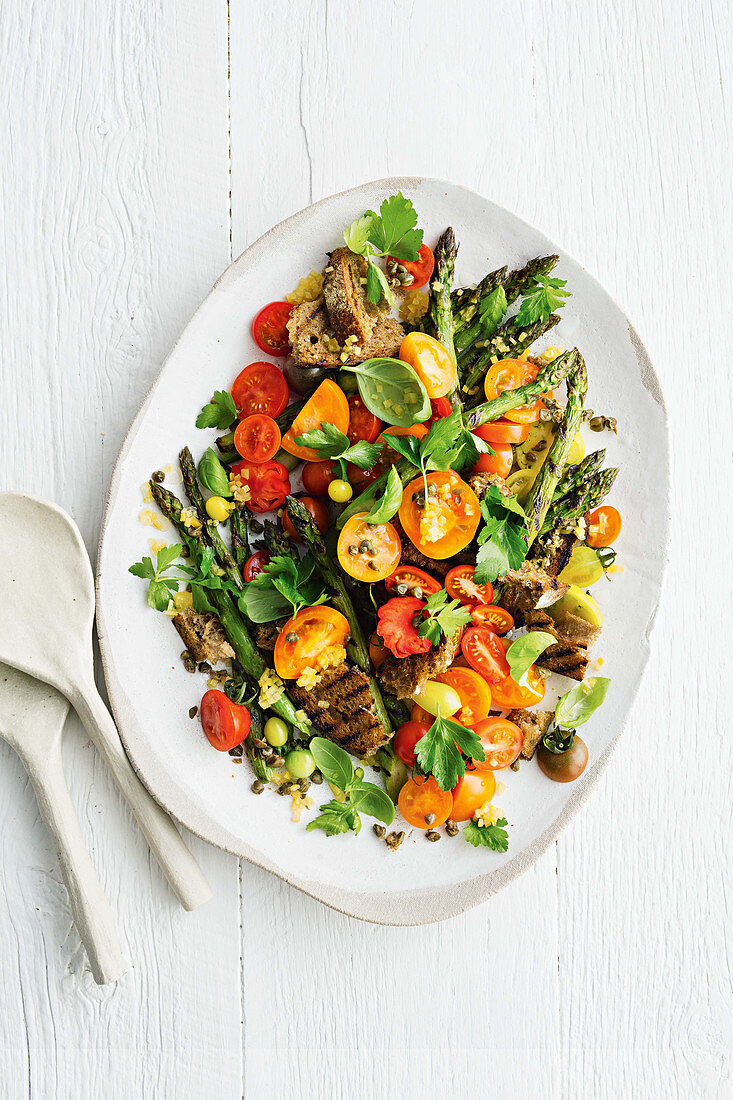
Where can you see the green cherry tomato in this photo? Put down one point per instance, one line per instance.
(300, 763)
(340, 491)
(276, 732)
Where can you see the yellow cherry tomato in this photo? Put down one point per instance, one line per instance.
(584, 567)
(433, 365)
(437, 698)
(340, 491)
(521, 481)
(218, 509)
(577, 602)
(368, 552)
(577, 450)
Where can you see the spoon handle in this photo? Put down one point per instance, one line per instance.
(89, 906)
(178, 865)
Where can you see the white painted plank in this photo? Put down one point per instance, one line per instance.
(115, 212)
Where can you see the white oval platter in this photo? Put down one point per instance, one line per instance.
(151, 693)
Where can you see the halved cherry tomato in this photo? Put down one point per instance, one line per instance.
(422, 798)
(327, 405)
(446, 520)
(508, 694)
(432, 364)
(473, 691)
(441, 407)
(317, 476)
(255, 564)
(604, 526)
(484, 652)
(470, 792)
(260, 388)
(496, 618)
(421, 269)
(318, 511)
(362, 423)
(460, 585)
(257, 438)
(377, 650)
(305, 635)
(416, 582)
(405, 739)
(368, 551)
(418, 430)
(502, 431)
(269, 328)
(269, 484)
(509, 374)
(499, 463)
(418, 714)
(396, 628)
(225, 723)
(502, 743)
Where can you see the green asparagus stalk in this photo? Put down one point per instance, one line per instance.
(547, 378)
(275, 540)
(509, 342)
(308, 532)
(228, 458)
(210, 531)
(234, 625)
(240, 539)
(365, 500)
(540, 496)
(584, 498)
(518, 282)
(579, 472)
(464, 309)
(441, 313)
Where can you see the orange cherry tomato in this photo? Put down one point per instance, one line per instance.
(305, 635)
(496, 618)
(327, 405)
(432, 364)
(420, 797)
(484, 651)
(460, 585)
(502, 431)
(441, 407)
(502, 743)
(405, 739)
(417, 714)
(377, 650)
(225, 723)
(269, 329)
(317, 476)
(368, 551)
(499, 463)
(421, 269)
(257, 438)
(508, 694)
(473, 691)
(260, 388)
(416, 582)
(444, 522)
(509, 374)
(470, 792)
(362, 423)
(318, 511)
(418, 430)
(604, 526)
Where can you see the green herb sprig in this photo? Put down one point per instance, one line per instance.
(336, 768)
(442, 618)
(443, 750)
(331, 444)
(391, 232)
(543, 297)
(490, 836)
(162, 585)
(221, 412)
(502, 539)
(284, 586)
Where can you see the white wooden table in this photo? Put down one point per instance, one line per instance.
(143, 146)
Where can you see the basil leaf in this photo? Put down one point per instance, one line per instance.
(391, 390)
(377, 285)
(523, 652)
(387, 505)
(333, 762)
(262, 603)
(370, 799)
(213, 475)
(577, 705)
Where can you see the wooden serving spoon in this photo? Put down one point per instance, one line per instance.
(46, 618)
(32, 717)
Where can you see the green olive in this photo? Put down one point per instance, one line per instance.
(289, 461)
(340, 491)
(276, 732)
(346, 379)
(300, 763)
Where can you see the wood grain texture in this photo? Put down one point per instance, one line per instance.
(603, 971)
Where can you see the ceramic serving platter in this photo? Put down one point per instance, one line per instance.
(150, 691)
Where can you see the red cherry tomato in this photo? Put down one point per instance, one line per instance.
(260, 388)
(421, 269)
(412, 578)
(441, 407)
(269, 329)
(470, 792)
(502, 743)
(483, 650)
(460, 585)
(257, 438)
(317, 476)
(317, 509)
(499, 463)
(496, 618)
(502, 431)
(225, 723)
(255, 564)
(269, 484)
(417, 714)
(362, 423)
(406, 738)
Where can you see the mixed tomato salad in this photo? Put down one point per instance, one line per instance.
(383, 559)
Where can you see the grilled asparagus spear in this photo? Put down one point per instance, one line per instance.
(508, 343)
(547, 378)
(210, 532)
(515, 284)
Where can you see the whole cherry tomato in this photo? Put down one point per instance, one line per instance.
(255, 564)
(225, 723)
(405, 739)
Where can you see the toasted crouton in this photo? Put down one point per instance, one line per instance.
(349, 310)
(480, 484)
(311, 332)
(341, 706)
(534, 725)
(528, 588)
(404, 676)
(203, 636)
(574, 636)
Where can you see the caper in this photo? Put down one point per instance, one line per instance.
(317, 778)
(353, 550)
(417, 592)
(158, 476)
(379, 830)
(365, 545)
(276, 761)
(205, 667)
(451, 828)
(291, 637)
(429, 819)
(193, 712)
(257, 787)
(596, 424)
(402, 589)
(372, 565)
(432, 836)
